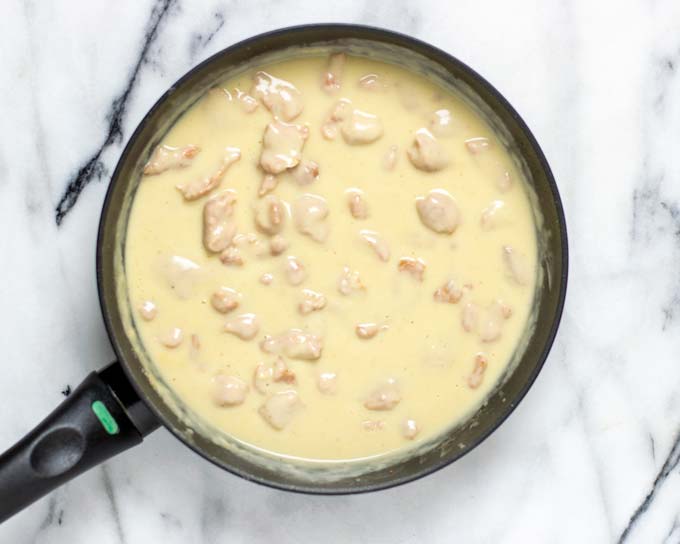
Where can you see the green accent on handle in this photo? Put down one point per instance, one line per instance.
(105, 417)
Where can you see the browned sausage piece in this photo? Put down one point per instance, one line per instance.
(426, 153)
(229, 390)
(282, 146)
(295, 271)
(377, 243)
(267, 184)
(245, 326)
(248, 103)
(311, 302)
(409, 429)
(384, 397)
(441, 123)
(357, 127)
(327, 382)
(277, 244)
(194, 347)
(516, 266)
(477, 145)
(172, 338)
(166, 157)
(224, 300)
(148, 310)
(494, 215)
(477, 375)
(349, 281)
(219, 226)
(295, 344)
(449, 292)
(266, 374)
(306, 172)
(415, 267)
(309, 214)
(339, 112)
(252, 244)
(470, 317)
(270, 214)
(390, 158)
(181, 275)
(373, 82)
(356, 202)
(202, 186)
(361, 127)
(280, 409)
(438, 211)
(491, 322)
(279, 96)
(373, 425)
(367, 330)
(231, 256)
(332, 76)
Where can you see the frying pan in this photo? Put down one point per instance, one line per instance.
(114, 408)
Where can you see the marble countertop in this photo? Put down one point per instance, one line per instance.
(591, 454)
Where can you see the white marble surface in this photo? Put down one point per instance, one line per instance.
(591, 454)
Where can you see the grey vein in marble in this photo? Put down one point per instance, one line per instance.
(200, 40)
(111, 496)
(34, 197)
(673, 535)
(669, 465)
(93, 168)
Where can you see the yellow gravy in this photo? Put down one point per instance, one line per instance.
(331, 258)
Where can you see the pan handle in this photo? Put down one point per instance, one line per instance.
(101, 418)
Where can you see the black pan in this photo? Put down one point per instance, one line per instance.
(114, 408)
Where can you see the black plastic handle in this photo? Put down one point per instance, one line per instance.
(101, 418)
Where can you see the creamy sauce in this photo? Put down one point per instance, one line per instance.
(401, 253)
